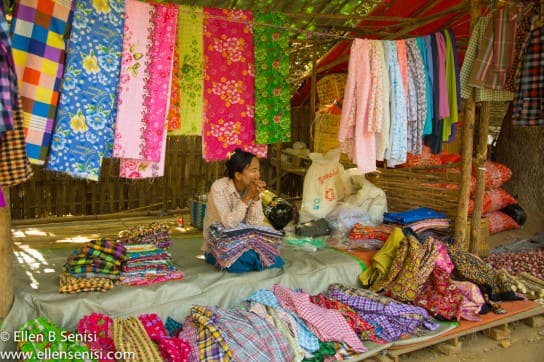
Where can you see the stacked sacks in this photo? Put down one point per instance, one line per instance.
(148, 260)
(498, 205)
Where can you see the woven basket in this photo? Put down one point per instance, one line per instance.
(435, 187)
(331, 87)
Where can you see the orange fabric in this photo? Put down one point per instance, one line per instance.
(364, 255)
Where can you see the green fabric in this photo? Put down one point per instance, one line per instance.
(326, 349)
(381, 261)
(191, 61)
(272, 93)
(451, 85)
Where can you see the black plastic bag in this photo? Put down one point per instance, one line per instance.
(516, 212)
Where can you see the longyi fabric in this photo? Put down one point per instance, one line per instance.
(190, 34)
(39, 49)
(129, 126)
(229, 85)
(87, 109)
(272, 94)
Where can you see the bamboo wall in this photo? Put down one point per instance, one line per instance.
(51, 194)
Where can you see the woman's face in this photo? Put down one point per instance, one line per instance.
(251, 172)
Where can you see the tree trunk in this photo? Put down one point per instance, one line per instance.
(521, 148)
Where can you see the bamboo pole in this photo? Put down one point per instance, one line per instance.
(313, 95)
(461, 216)
(479, 245)
(6, 278)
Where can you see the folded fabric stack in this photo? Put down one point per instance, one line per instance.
(419, 220)
(227, 245)
(148, 261)
(90, 267)
(367, 237)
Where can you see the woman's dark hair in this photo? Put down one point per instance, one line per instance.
(237, 162)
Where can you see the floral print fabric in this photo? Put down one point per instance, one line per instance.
(83, 133)
(157, 95)
(129, 142)
(229, 87)
(191, 58)
(272, 95)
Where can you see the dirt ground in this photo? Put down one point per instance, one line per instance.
(527, 345)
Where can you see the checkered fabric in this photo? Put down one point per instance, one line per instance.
(8, 79)
(14, 165)
(211, 344)
(529, 103)
(38, 30)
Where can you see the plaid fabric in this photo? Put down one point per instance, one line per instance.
(305, 337)
(107, 250)
(38, 29)
(14, 165)
(496, 49)
(391, 320)
(327, 324)
(359, 325)
(8, 79)
(250, 338)
(84, 269)
(69, 284)
(473, 48)
(211, 344)
(528, 107)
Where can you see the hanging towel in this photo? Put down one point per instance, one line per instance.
(83, 132)
(191, 55)
(161, 54)
(39, 50)
(272, 94)
(129, 141)
(229, 84)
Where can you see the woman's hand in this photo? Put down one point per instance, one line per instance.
(254, 189)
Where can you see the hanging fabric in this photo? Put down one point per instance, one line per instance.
(382, 135)
(354, 136)
(229, 84)
(157, 92)
(528, 107)
(39, 50)
(474, 47)
(272, 93)
(83, 132)
(417, 95)
(8, 79)
(14, 165)
(396, 153)
(451, 84)
(173, 116)
(191, 61)
(129, 141)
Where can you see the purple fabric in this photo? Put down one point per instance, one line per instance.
(392, 320)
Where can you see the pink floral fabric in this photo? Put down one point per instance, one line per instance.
(172, 349)
(157, 95)
(129, 126)
(161, 56)
(229, 84)
(98, 328)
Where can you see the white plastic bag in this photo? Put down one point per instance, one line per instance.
(323, 185)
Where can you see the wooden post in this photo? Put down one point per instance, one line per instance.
(476, 243)
(461, 215)
(6, 278)
(313, 94)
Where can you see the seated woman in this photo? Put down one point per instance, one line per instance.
(235, 199)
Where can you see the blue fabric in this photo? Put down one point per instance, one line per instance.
(248, 261)
(410, 216)
(87, 109)
(428, 128)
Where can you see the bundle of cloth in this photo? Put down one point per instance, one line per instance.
(93, 267)
(148, 260)
(244, 247)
